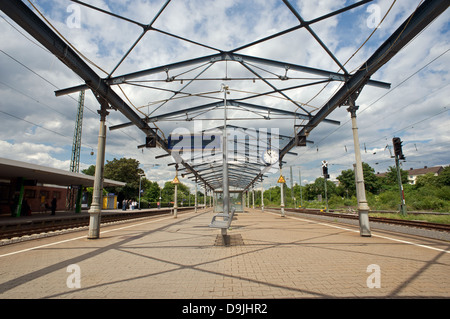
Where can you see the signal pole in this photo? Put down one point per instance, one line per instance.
(300, 181)
(398, 156)
(325, 177)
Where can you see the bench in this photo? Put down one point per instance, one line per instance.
(222, 224)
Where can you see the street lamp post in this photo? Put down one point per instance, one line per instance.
(140, 177)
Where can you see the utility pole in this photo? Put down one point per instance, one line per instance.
(140, 179)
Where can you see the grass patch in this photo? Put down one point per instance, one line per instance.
(440, 219)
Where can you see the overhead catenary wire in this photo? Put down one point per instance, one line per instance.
(43, 127)
(385, 94)
(422, 97)
(351, 57)
(70, 44)
(392, 133)
(124, 92)
(34, 99)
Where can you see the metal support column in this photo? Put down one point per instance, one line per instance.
(78, 202)
(21, 182)
(363, 207)
(175, 204)
(248, 199)
(96, 206)
(196, 202)
(204, 199)
(253, 197)
(210, 198)
(292, 186)
(225, 185)
(300, 181)
(282, 195)
(262, 196)
(175, 200)
(282, 200)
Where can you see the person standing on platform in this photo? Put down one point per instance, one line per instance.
(53, 205)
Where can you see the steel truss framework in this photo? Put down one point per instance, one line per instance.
(244, 170)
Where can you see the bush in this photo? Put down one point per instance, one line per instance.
(428, 198)
(388, 200)
(335, 201)
(427, 203)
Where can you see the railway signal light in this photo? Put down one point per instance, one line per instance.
(398, 148)
(150, 141)
(300, 140)
(325, 169)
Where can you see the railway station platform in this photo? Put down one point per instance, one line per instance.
(268, 257)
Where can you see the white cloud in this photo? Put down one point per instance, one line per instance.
(39, 154)
(226, 25)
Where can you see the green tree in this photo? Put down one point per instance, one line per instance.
(427, 180)
(299, 196)
(124, 170)
(312, 190)
(347, 181)
(89, 171)
(150, 190)
(444, 177)
(183, 191)
(391, 176)
(273, 195)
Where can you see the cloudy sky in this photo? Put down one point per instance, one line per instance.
(38, 127)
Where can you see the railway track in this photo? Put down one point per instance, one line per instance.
(47, 225)
(402, 222)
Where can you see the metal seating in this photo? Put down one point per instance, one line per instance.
(223, 224)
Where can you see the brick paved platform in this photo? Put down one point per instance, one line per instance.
(269, 257)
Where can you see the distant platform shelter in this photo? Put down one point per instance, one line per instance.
(38, 185)
(236, 201)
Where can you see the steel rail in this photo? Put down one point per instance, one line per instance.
(385, 220)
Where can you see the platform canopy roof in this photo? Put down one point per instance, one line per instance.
(11, 169)
(263, 90)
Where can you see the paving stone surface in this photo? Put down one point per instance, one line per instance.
(267, 257)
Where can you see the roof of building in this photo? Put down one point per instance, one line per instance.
(425, 170)
(10, 169)
(419, 171)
